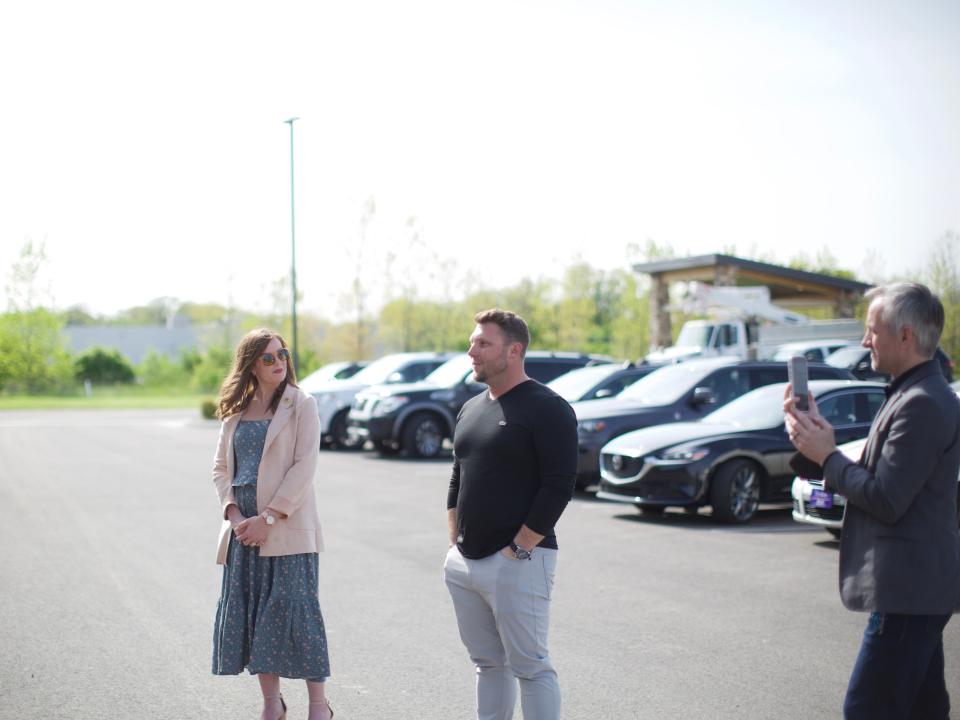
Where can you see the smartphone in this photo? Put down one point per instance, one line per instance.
(797, 374)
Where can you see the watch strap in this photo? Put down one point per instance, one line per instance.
(520, 553)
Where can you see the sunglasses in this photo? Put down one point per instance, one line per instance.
(269, 358)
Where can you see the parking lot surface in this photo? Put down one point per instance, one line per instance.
(108, 589)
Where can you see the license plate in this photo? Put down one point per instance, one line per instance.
(821, 499)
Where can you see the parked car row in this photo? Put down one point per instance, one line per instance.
(683, 392)
(706, 432)
(417, 417)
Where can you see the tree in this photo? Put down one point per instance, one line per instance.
(101, 365)
(943, 276)
(32, 354)
(354, 303)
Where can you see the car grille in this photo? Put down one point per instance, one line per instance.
(834, 513)
(620, 466)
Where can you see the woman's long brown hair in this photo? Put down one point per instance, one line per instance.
(238, 387)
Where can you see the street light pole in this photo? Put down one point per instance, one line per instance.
(293, 258)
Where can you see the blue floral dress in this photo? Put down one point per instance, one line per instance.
(268, 618)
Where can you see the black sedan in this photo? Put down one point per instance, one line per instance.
(673, 393)
(732, 460)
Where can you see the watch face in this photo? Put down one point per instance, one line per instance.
(271, 519)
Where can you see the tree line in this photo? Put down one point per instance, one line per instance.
(586, 309)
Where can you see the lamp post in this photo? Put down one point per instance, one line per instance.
(293, 259)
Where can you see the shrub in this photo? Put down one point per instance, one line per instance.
(208, 408)
(158, 370)
(209, 373)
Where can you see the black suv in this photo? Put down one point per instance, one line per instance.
(685, 391)
(416, 418)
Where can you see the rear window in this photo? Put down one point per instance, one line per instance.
(546, 370)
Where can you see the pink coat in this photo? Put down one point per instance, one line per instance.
(284, 479)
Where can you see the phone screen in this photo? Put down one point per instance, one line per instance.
(797, 373)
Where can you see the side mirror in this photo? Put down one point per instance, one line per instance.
(703, 396)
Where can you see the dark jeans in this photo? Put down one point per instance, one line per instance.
(899, 671)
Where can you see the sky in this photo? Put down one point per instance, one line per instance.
(445, 144)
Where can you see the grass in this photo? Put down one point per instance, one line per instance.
(109, 397)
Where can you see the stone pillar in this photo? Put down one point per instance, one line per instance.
(845, 304)
(660, 331)
(725, 275)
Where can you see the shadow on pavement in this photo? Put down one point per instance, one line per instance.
(767, 520)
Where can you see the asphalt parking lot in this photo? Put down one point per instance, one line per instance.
(109, 589)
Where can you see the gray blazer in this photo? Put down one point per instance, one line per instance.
(900, 547)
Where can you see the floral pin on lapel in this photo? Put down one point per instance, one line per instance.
(286, 402)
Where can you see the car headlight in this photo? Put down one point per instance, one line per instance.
(591, 426)
(390, 404)
(685, 454)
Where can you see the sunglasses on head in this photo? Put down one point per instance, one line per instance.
(269, 358)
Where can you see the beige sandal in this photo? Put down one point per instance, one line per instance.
(282, 704)
(324, 702)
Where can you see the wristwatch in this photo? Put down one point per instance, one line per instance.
(520, 553)
(268, 518)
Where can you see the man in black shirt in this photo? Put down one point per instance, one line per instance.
(514, 469)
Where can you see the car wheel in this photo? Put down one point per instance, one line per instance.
(338, 432)
(735, 491)
(422, 436)
(651, 509)
(834, 531)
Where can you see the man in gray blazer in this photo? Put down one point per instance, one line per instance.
(900, 547)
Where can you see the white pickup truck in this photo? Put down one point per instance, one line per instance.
(708, 338)
(747, 325)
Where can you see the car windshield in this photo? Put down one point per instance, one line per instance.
(666, 385)
(323, 374)
(451, 372)
(845, 357)
(573, 385)
(758, 409)
(378, 371)
(694, 335)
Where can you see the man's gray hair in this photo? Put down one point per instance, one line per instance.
(913, 305)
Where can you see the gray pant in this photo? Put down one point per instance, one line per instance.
(503, 612)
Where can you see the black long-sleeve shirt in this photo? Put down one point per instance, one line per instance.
(514, 463)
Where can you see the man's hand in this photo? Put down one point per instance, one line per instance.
(508, 553)
(807, 430)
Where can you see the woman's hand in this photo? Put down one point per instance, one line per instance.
(234, 516)
(252, 531)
